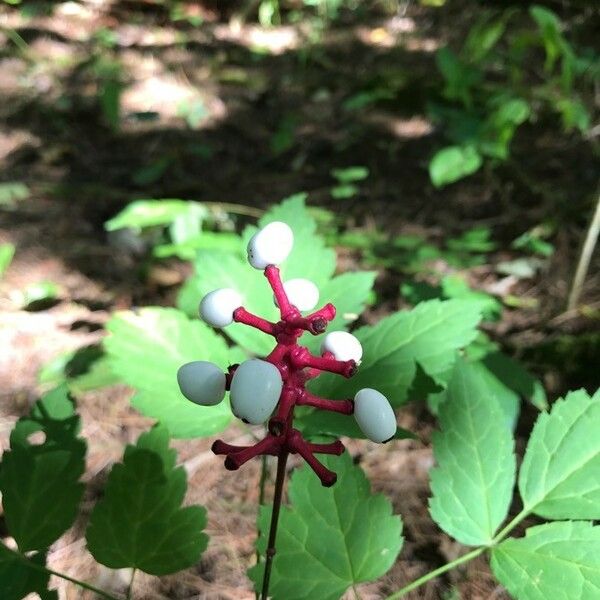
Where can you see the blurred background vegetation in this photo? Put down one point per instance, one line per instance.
(451, 146)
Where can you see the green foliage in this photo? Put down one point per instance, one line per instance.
(18, 579)
(139, 522)
(473, 482)
(560, 474)
(7, 251)
(428, 335)
(180, 225)
(487, 92)
(45, 474)
(147, 347)
(341, 536)
(347, 179)
(12, 192)
(555, 560)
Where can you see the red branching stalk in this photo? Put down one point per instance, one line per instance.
(296, 366)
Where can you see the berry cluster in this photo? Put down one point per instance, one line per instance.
(267, 390)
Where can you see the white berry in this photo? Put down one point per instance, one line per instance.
(217, 307)
(343, 346)
(302, 293)
(270, 245)
(255, 390)
(374, 415)
(202, 382)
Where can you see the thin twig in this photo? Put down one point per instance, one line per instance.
(130, 586)
(585, 258)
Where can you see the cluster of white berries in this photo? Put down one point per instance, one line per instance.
(256, 384)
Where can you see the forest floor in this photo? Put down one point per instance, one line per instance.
(232, 113)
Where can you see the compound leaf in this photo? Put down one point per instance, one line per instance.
(147, 347)
(556, 560)
(341, 535)
(139, 523)
(429, 335)
(18, 579)
(560, 474)
(40, 483)
(473, 482)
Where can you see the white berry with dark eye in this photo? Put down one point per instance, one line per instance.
(374, 415)
(218, 306)
(255, 390)
(270, 245)
(343, 346)
(302, 293)
(202, 382)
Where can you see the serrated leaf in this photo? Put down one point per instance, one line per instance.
(560, 474)
(18, 579)
(473, 482)
(340, 536)
(40, 482)
(429, 334)
(139, 523)
(560, 561)
(147, 347)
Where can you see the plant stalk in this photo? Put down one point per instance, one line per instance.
(433, 574)
(585, 258)
(47, 571)
(279, 483)
(130, 586)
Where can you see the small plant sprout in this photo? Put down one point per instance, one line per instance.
(267, 391)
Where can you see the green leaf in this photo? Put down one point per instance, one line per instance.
(483, 36)
(309, 259)
(341, 536)
(429, 334)
(555, 560)
(7, 251)
(17, 579)
(147, 347)
(453, 163)
(139, 523)
(11, 192)
(560, 474)
(318, 423)
(344, 191)
(473, 482)
(455, 287)
(350, 174)
(149, 213)
(40, 482)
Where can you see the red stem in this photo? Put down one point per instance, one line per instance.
(241, 315)
(345, 407)
(274, 278)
